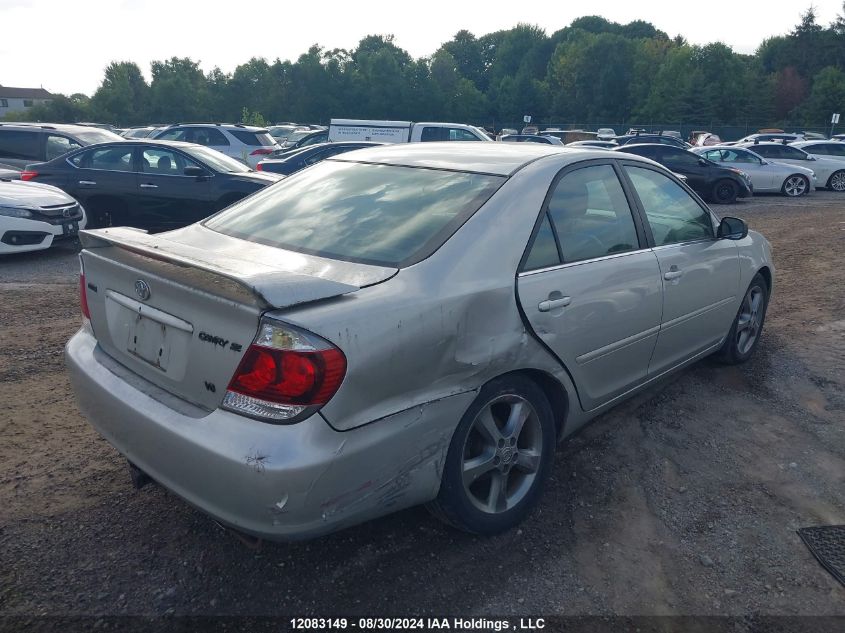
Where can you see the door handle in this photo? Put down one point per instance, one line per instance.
(552, 304)
(148, 185)
(87, 183)
(673, 273)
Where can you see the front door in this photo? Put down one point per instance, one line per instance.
(167, 198)
(589, 286)
(699, 273)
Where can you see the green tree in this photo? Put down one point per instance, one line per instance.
(123, 97)
(178, 91)
(826, 97)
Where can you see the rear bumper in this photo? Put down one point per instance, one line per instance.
(272, 481)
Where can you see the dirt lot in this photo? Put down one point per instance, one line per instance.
(682, 501)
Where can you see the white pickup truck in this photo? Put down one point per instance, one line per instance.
(402, 131)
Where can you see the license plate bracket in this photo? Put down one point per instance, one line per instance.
(149, 341)
(70, 228)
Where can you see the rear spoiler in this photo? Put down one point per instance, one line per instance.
(259, 284)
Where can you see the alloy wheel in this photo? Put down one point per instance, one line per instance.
(502, 454)
(795, 186)
(837, 181)
(749, 321)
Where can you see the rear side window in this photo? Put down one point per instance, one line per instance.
(544, 251)
(671, 212)
(176, 134)
(20, 144)
(207, 136)
(373, 214)
(432, 134)
(109, 158)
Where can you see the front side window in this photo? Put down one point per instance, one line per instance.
(176, 134)
(793, 153)
(679, 159)
(60, 145)
(591, 214)
(432, 134)
(164, 162)
(458, 134)
(673, 215)
(373, 214)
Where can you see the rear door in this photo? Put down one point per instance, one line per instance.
(167, 198)
(699, 273)
(107, 173)
(686, 163)
(589, 286)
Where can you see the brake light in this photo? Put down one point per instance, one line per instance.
(284, 373)
(26, 174)
(83, 293)
(259, 167)
(261, 151)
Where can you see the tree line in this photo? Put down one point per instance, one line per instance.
(589, 72)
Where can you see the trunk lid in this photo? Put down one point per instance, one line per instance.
(180, 309)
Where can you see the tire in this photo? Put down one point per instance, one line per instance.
(725, 191)
(795, 185)
(504, 464)
(748, 325)
(837, 180)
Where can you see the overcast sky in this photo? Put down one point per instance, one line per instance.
(64, 45)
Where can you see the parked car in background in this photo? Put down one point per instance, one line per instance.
(245, 143)
(300, 159)
(404, 325)
(661, 139)
(150, 184)
(605, 134)
(813, 136)
(530, 129)
(706, 139)
(766, 175)
(24, 143)
(302, 138)
(139, 132)
(829, 171)
(570, 136)
(402, 131)
(280, 133)
(838, 137)
(33, 216)
(770, 138)
(593, 144)
(822, 149)
(531, 138)
(505, 131)
(721, 185)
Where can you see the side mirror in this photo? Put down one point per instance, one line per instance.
(199, 172)
(702, 162)
(732, 229)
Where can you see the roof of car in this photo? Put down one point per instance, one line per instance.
(502, 159)
(68, 128)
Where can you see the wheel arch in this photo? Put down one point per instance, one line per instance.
(766, 273)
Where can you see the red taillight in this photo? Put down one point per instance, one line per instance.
(83, 296)
(259, 167)
(289, 377)
(285, 374)
(28, 175)
(261, 151)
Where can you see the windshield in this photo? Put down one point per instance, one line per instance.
(295, 136)
(373, 214)
(216, 160)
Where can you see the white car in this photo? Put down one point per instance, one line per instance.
(766, 176)
(33, 216)
(829, 171)
(823, 149)
(245, 143)
(606, 133)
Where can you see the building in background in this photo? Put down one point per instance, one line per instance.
(21, 99)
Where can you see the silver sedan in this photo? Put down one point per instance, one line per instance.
(766, 175)
(402, 325)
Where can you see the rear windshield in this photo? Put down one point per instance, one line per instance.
(95, 135)
(253, 139)
(372, 214)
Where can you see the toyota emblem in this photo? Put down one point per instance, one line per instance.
(142, 289)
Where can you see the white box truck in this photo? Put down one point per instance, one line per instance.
(402, 131)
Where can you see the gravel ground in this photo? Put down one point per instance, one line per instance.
(684, 500)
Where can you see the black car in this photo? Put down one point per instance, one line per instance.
(712, 182)
(299, 159)
(157, 185)
(660, 139)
